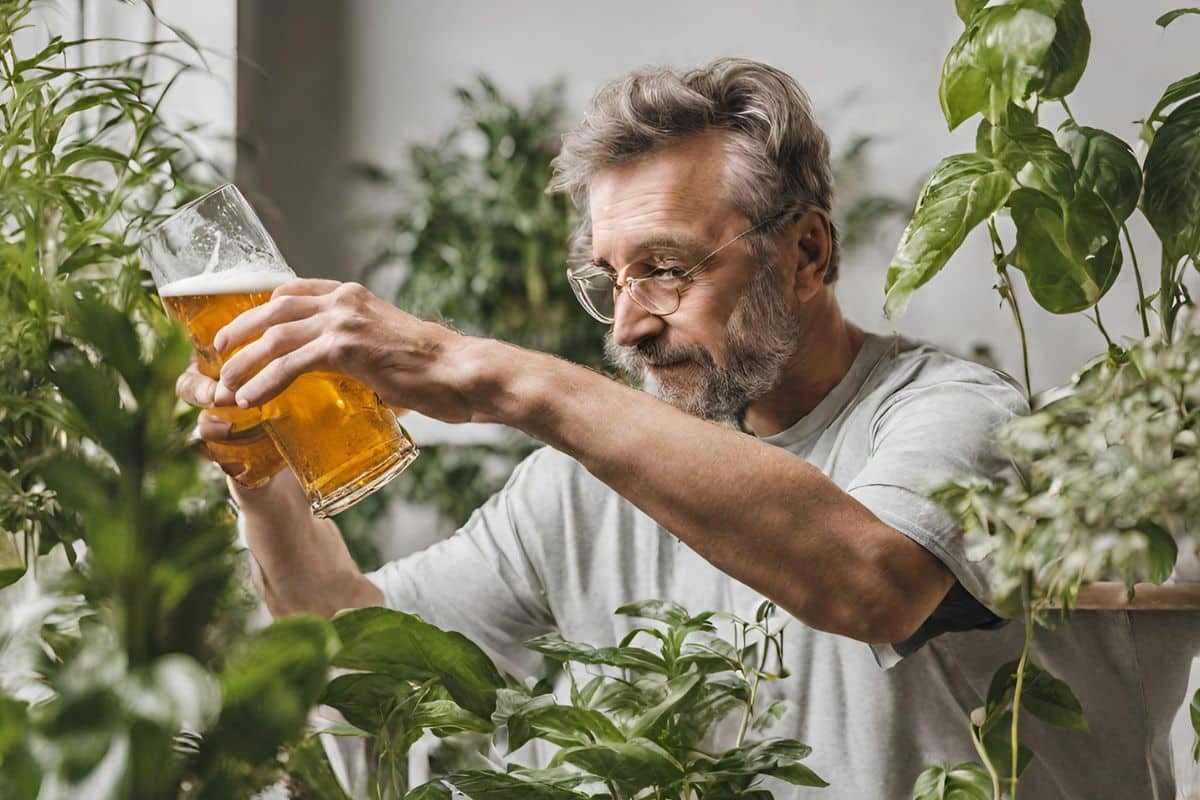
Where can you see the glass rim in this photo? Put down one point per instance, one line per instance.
(190, 204)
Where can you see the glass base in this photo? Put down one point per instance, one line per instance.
(341, 499)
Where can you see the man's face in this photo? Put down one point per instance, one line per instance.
(734, 331)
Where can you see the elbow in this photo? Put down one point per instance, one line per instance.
(878, 616)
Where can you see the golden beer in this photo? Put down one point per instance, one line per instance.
(204, 315)
(338, 438)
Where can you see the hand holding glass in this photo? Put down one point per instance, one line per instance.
(212, 260)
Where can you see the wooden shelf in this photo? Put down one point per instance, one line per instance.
(1147, 597)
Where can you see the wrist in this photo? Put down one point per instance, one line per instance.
(494, 379)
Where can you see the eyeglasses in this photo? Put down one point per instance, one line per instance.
(658, 293)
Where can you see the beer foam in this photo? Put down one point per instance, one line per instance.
(226, 282)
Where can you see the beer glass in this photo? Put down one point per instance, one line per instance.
(212, 260)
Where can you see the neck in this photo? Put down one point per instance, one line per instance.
(828, 346)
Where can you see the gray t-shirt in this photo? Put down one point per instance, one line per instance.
(558, 549)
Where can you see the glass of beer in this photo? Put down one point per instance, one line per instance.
(212, 260)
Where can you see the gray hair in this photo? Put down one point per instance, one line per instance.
(778, 155)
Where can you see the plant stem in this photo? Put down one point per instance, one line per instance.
(1007, 293)
(1063, 102)
(762, 663)
(1166, 298)
(1016, 712)
(1137, 274)
(1100, 325)
(987, 763)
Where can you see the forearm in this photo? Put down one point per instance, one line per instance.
(303, 564)
(756, 512)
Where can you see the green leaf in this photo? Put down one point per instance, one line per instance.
(1000, 691)
(1169, 17)
(269, 687)
(12, 564)
(365, 698)
(962, 192)
(405, 646)
(1043, 695)
(779, 758)
(1019, 141)
(19, 777)
(1067, 57)
(967, 8)
(566, 726)
(1105, 164)
(660, 610)
(634, 658)
(1161, 549)
(1051, 700)
(1171, 201)
(446, 717)
(434, 790)
(678, 691)
(92, 389)
(966, 781)
(632, 765)
(91, 319)
(309, 766)
(993, 62)
(997, 742)
(1176, 92)
(1070, 259)
(479, 785)
(89, 254)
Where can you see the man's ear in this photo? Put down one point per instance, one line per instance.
(805, 253)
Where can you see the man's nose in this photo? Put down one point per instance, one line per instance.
(632, 323)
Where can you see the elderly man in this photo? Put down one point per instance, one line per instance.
(781, 452)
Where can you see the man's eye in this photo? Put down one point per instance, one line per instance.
(666, 273)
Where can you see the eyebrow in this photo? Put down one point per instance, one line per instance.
(680, 245)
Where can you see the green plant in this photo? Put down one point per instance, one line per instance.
(636, 728)
(128, 672)
(1105, 480)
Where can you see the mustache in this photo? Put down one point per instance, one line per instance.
(634, 359)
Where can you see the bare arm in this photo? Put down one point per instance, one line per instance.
(302, 563)
(758, 513)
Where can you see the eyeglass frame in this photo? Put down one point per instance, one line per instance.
(574, 276)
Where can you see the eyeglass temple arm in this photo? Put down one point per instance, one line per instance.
(737, 238)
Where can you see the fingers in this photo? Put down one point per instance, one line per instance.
(309, 286)
(195, 388)
(213, 428)
(274, 344)
(279, 374)
(279, 309)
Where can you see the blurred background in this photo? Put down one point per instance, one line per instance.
(405, 143)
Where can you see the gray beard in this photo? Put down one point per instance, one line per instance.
(760, 341)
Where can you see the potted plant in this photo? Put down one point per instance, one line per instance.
(1104, 485)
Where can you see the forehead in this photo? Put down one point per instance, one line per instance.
(678, 188)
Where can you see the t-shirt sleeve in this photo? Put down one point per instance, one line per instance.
(922, 438)
(481, 581)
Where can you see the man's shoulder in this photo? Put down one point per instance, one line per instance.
(547, 471)
(911, 369)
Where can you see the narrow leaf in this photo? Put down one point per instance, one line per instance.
(1169, 17)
